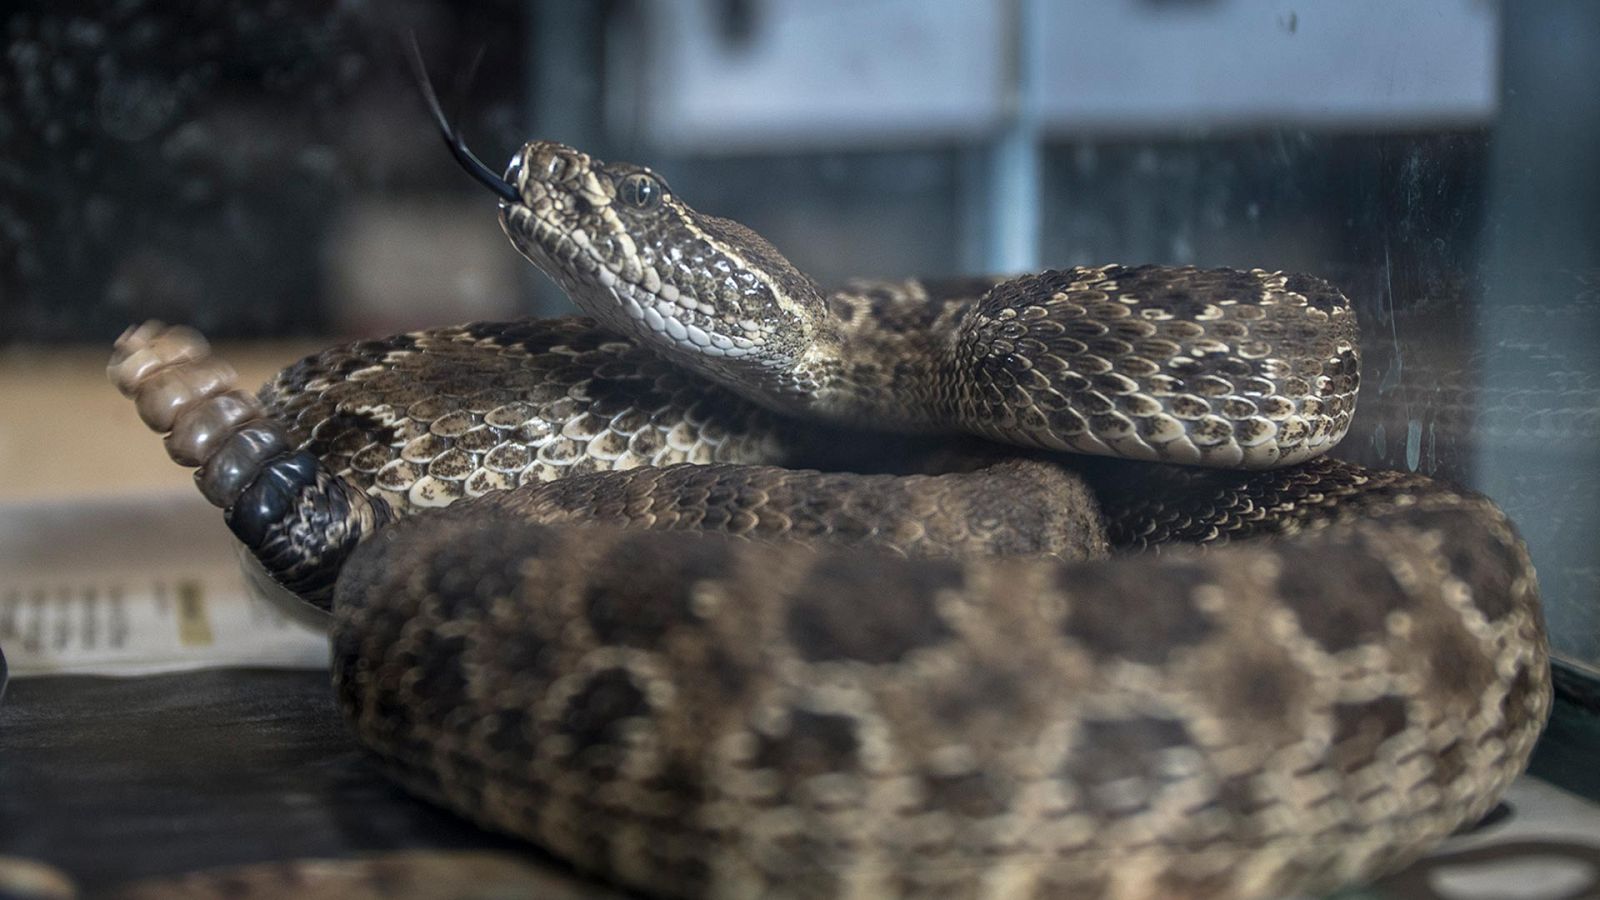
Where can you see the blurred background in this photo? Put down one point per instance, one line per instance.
(265, 171)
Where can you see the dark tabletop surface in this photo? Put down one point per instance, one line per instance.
(111, 779)
(116, 779)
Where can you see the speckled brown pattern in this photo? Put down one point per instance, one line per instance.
(1291, 677)
(957, 514)
(694, 714)
(1215, 367)
(709, 717)
(430, 417)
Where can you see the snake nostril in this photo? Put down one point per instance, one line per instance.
(543, 163)
(552, 164)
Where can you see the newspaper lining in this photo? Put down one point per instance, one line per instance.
(148, 623)
(133, 586)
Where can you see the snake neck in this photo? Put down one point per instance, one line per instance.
(714, 297)
(894, 361)
(706, 293)
(1211, 367)
(1216, 367)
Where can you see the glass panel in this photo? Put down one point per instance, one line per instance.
(1479, 364)
(253, 169)
(264, 169)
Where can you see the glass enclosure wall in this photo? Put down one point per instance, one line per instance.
(262, 169)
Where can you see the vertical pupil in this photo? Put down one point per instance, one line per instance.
(640, 190)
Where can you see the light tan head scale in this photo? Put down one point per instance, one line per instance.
(706, 292)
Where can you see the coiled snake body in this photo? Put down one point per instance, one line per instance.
(985, 691)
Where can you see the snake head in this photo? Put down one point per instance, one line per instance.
(706, 292)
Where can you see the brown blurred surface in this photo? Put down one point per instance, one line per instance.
(66, 432)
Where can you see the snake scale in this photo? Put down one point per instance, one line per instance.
(1217, 665)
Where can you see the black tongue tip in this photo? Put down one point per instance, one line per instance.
(452, 137)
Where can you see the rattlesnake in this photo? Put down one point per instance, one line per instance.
(986, 691)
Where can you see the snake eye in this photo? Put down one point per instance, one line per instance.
(640, 190)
